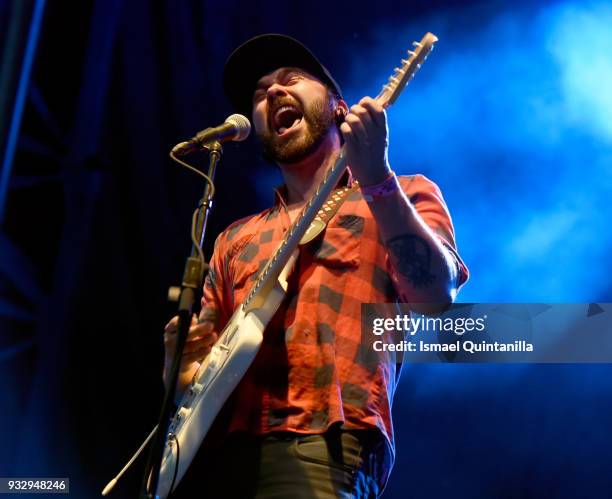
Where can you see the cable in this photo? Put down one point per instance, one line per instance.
(194, 221)
(195, 213)
(195, 170)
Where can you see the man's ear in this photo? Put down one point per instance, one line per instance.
(340, 112)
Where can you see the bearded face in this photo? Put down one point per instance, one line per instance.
(295, 131)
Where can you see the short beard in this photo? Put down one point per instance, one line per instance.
(319, 119)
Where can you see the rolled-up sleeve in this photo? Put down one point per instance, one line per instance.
(427, 199)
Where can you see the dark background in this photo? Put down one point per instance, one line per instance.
(510, 116)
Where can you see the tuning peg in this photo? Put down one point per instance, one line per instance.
(412, 53)
(394, 79)
(405, 61)
(416, 44)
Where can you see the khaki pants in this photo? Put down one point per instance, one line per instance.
(337, 464)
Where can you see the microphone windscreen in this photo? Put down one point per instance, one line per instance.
(242, 124)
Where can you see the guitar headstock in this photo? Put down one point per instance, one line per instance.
(407, 70)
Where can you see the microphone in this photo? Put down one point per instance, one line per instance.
(236, 127)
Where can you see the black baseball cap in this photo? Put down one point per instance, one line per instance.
(262, 55)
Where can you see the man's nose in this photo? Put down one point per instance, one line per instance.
(276, 90)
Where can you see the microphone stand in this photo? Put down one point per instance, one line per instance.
(193, 279)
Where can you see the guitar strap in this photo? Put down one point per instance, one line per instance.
(326, 213)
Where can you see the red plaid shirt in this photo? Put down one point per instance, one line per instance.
(311, 370)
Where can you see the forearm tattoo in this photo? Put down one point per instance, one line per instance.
(412, 257)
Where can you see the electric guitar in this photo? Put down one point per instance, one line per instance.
(241, 338)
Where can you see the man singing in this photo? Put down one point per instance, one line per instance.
(312, 416)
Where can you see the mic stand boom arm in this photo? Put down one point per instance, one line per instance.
(193, 279)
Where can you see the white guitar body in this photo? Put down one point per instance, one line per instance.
(215, 380)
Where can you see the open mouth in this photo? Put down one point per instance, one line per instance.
(285, 118)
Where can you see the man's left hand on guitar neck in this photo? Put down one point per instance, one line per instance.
(366, 134)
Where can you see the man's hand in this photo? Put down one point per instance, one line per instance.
(200, 340)
(366, 135)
